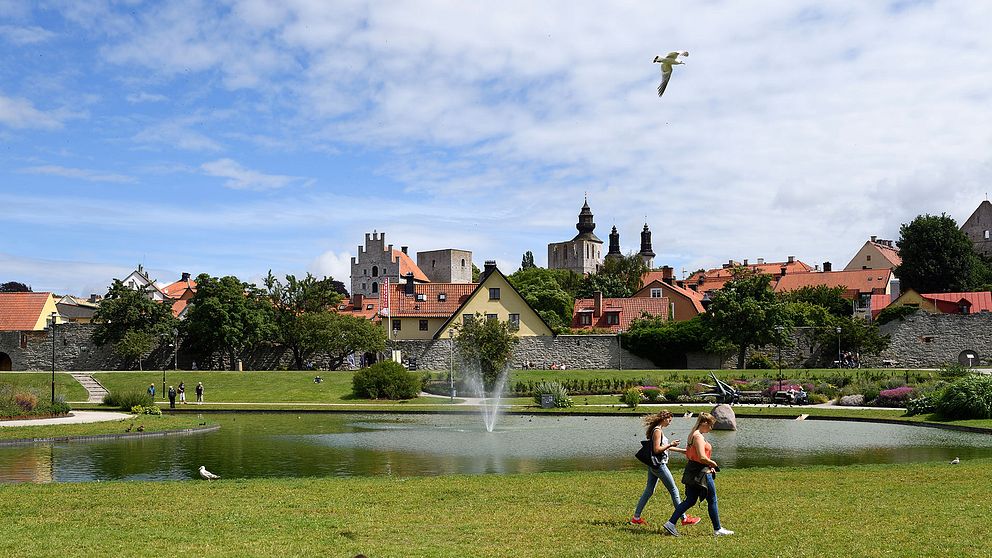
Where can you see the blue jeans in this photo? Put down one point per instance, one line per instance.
(693, 492)
(665, 475)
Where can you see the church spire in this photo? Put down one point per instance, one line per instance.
(586, 224)
(614, 244)
(647, 254)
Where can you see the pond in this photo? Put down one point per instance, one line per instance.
(327, 445)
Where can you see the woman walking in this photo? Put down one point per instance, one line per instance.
(698, 477)
(660, 445)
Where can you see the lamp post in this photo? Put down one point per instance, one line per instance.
(451, 363)
(53, 318)
(839, 363)
(778, 331)
(620, 350)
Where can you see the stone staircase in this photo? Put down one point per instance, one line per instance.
(94, 388)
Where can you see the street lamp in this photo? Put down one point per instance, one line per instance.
(839, 362)
(620, 350)
(778, 330)
(53, 318)
(451, 363)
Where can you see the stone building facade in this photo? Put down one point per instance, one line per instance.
(978, 227)
(377, 261)
(446, 266)
(582, 254)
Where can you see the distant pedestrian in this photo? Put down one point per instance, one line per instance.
(199, 392)
(182, 392)
(172, 397)
(194, 365)
(151, 391)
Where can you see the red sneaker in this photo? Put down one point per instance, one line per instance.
(690, 520)
(637, 521)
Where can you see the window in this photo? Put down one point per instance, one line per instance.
(341, 307)
(433, 263)
(986, 234)
(494, 294)
(491, 317)
(369, 306)
(655, 293)
(375, 288)
(375, 271)
(612, 318)
(463, 262)
(964, 307)
(441, 297)
(421, 297)
(397, 325)
(868, 257)
(585, 319)
(423, 325)
(467, 318)
(514, 322)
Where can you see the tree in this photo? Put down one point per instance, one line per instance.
(135, 345)
(618, 278)
(545, 291)
(338, 336)
(937, 257)
(856, 335)
(830, 298)
(488, 342)
(294, 299)
(15, 287)
(228, 315)
(528, 260)
(666, 342)
(125, 310)
(475, 273)
(745, 313)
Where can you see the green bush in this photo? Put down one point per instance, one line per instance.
(631, 397)
(967, 398)
(125, 400)
(142, 410)
(678, 391)
(894, 313)
(818, 399)
(952, 371)
(652, 394)
(386, 380)
(760, 361)
(554, 389)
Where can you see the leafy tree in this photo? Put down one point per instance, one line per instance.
(745, 313)
(488, 342)
(528, 260)
(618, 278)
(125, 310)
(666, 342)
(135, 345)
(476, 273)
(890, 313)
(228, 315)
(937, 257)
(14, 287)
(293, 300)
(856, 335)
(830, 298)
(545, 291)
(338, 336)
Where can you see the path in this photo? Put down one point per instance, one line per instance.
(77, 417)
(94, 388)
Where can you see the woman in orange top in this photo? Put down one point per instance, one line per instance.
(698, 477)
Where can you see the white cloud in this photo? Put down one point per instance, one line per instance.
(240, 178)
(25, 35)
(21, 113)
(332, 264)
(145, 97)
(82, 174)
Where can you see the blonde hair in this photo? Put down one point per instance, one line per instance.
(704, 418)
(653, 421)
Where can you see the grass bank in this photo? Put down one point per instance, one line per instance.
(151, 424)
(41, 383)
(881, 510)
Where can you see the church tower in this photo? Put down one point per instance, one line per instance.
(614, 252)
(583, 253)
(647, 254)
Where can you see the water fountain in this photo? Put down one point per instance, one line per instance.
(473, 379)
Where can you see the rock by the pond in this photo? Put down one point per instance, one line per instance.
(726, 418)
(852, 400)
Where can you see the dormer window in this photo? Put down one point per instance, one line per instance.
(369, 306)
(421, 297)
(441, 297)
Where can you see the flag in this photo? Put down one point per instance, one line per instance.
(384, 297)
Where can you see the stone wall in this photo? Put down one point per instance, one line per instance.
(592, 352)
(926, 340)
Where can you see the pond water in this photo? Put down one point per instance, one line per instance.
(327, 445)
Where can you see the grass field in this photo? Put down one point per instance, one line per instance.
(41, 382)
(917, 510)
(150, 422)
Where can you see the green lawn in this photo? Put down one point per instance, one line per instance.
(151, 424)
(704, 375)
(41, 383)
(929, 509)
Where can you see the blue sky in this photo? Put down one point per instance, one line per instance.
(240, 136)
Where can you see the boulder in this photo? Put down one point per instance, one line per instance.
(726, 418)
(852, 401)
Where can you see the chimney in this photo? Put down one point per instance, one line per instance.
(827, 267)
(490, 267)
(403, 249)
(745, 262)
(358, 301)
(597, 301)
(408, 286)
(873, 237)
(667, 274)
(761, 261)
(783, 269)
(95, 298)
(792, 259)
(185, 276)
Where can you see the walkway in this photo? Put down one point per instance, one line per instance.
(77, 417)
(94, 388)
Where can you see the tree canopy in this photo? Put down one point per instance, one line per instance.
(14, 287)
(228, 315)
(937, 257)
(125, 310)
(291, 301)
(336, 336)
(551, 292)
(745, 313)
(528, 260)
(618, 278)
(488, 343)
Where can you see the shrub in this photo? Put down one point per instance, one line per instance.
(677, 391)
(386, 380)
(967, 398)
(651, 393)
(896, 397)
(760, 361)
(125, 400)
(26, 401)
(818, 399)
(554, 389)
(921, 405)
(142, 410)
(953, 370)
(895, 313)
(631, 397)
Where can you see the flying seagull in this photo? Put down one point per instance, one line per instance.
(666, 67)
(955, 461)
(207, 474)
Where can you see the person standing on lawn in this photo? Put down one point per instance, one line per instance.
(199, 392)
(151, 391)
(172, 397)
(698, 477)
(182, 392)
(661, 446)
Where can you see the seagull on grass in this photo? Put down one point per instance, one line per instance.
(955, 461)
(666, 67)
(207, 474)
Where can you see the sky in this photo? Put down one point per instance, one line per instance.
(237, 137)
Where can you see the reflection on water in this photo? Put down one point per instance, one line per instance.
(322, 445)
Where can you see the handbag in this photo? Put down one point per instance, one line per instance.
(646, 454)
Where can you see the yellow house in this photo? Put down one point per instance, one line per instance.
(27, 311)
(496, 299)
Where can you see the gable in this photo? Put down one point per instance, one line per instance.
(509, 302)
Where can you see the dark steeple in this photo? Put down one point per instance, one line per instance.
(586, 224)
(646, 252)
(614, 244)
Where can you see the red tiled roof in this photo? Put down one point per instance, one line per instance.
(863, 281)
(21, 311)
(368, 309)
(889, 253)
(714, 279)
(878, 303)
(949, 303)
(175, 290)
(653, 277)
(629, 308)
(407, 266)
(400, 304)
